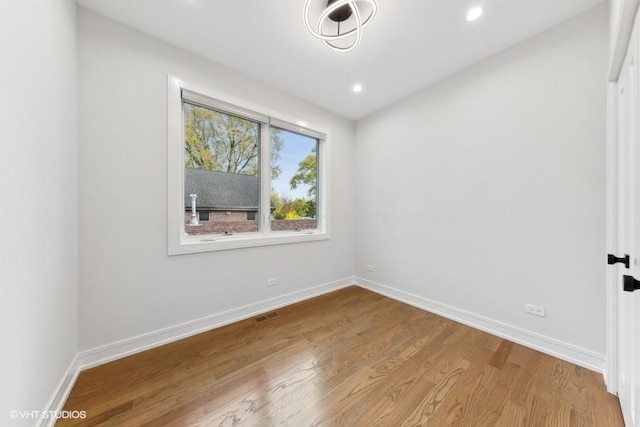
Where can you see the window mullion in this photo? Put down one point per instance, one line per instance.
(265, 179)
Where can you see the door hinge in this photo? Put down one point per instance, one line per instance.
(612, 259)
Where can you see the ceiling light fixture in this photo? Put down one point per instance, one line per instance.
(351, 15)
(474, 14)
(357, 88)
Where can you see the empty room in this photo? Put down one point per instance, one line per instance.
(320, 213)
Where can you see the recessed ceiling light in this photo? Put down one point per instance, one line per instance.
(474, 13)
(357, 88)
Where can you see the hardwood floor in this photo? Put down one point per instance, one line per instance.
(349, 358)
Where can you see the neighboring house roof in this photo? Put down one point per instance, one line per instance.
(221, 190)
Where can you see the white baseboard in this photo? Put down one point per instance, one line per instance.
(554, 347)
(119, 349)
(61, 393)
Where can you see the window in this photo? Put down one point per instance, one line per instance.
(258, 179)
(221, 164)
(294, 182)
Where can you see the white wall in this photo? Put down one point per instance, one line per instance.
(486, 191)
(129, 284)
(38, 208)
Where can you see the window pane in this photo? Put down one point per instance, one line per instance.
(294, 181)
(221, 171)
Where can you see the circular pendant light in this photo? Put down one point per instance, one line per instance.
(339, 25)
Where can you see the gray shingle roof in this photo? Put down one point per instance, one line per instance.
(221, 190)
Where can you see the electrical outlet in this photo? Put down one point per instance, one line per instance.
(272, 282)
(535, 310)
(370, 268)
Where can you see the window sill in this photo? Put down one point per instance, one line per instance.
(195, 244)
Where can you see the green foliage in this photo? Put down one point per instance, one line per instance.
(285, 208)
(276, 207)
(307, 174)
(221, 142)
(311, 208)
(276, 146)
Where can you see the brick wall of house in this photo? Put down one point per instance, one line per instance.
(220, 216)
(245, 226)
(293, 224)
(217, 227)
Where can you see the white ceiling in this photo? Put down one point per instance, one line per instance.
(409, 44)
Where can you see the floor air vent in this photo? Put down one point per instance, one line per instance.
(266, 316)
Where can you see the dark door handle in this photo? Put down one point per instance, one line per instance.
(629, 284)
(612, 259)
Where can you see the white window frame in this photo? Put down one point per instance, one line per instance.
(179, 241)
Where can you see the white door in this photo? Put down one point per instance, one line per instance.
(631, 282)
(628, 235)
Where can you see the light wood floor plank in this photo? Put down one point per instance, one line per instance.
(349, 358)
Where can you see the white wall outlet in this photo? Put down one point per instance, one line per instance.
(272, 282)
(370, 267)
(535, 310)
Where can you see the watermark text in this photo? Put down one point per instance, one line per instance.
(36, 415)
